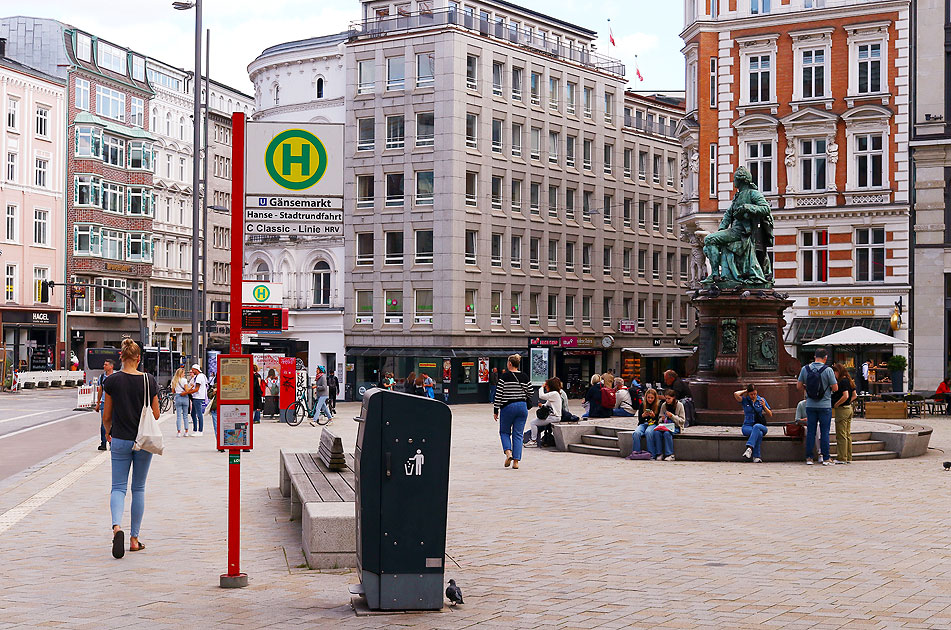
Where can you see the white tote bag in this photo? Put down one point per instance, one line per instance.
(149, 437)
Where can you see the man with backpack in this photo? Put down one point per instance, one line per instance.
(818, 381)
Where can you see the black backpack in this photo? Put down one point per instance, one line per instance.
(814, 387)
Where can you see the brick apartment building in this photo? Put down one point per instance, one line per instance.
(812, 96)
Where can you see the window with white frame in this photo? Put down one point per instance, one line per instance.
(534, 198)
(516, 194)
(10, 282)
(140, 201)
(40, 275)
(553, 202)
(424, 188)
(812, 164)
(112, 197)
(136, 111)
(535, 88)
(515, 260)
(608, 158)
(12, 223)
(470, 306)
(42, 122)
(139, 247)
(366, 76)
(814, 253)
(554, 91)
(496, 251)
(554, 141)
(394, 190)
(869, 160)
(425, 129)
(366, 134)
(536, 143)
(13, 114)
(424, 306)
(471, 242)
(869, 68)
(140, 155)
(83, 47)
(587, 101)
(713, 82)
(395, 132)
(759, 161)
(495, 307)
(393, 248)
(758, 7)
(113, 244)
(586, 310)
(570, 151)
(533, 316)
(424, 247)
(587, 148)
(42, 173)
(395, 73)
(497, 135)
(110, 57)
(570, 257)
(364, 310)
(41, 227)
(534, 253)
(425, 69)
(516, 140)
(516, 84)
(712, 174)
(496, 192)
(113, 151)
(571, 96)
(472, 180)
(760, 78)
(570, 204)
(498, 70)
(870, 255)
(365, 191)
(813, 73)
(814, 4)
(110, 103)
(472, 131)
(472, 72)
(82, 94)
(11, 166)
(393, 302)
(138, 68)
(365, 249)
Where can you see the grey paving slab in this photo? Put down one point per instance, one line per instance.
(566, 541)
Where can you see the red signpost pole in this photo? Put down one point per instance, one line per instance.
(234, 578)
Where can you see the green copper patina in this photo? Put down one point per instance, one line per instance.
(737, 251)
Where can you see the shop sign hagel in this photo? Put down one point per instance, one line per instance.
(294, 179)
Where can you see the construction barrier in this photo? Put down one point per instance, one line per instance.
(86, 397)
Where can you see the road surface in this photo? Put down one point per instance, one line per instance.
(38, 424)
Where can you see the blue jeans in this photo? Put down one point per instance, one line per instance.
(755, 434)
(322, 407)
(512, 419)
(198, 414)
(102, 430)
(492, 393)
(622, 412)
(821, 417)
(257, 416)
(214, 419)
(181, 412)
(124, 458)
(660, 442)
(639, 431)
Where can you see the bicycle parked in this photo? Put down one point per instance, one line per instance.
(165, 397)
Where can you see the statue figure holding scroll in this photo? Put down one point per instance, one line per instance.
(737, 251)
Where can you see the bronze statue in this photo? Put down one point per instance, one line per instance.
(737, 251)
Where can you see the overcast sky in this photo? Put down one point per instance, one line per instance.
(241, 29)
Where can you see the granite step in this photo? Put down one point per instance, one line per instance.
(874, 455)
(589, 449)
(601, 440)
(862, 446)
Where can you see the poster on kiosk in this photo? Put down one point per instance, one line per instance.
(235, 402)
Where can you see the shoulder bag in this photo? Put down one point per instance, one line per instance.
(149, 436)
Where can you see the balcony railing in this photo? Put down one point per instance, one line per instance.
(404, 22)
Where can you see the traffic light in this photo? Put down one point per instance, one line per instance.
(45, 287)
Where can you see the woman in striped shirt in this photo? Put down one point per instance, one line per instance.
(512, 397)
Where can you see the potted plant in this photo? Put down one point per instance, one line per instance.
(896, 370)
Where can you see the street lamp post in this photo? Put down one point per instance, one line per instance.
(196, 175)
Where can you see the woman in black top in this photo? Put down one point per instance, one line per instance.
(513, 395)
(126, 392)
(842, 408)
(593, 398)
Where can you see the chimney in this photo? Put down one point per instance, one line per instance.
(3, 46)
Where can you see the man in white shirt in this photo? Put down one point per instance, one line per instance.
(198, 390)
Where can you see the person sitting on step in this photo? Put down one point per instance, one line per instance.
(755, 412)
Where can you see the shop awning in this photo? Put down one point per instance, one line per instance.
(442, 353)
(857, 336)
(660, 351)
(806, 329)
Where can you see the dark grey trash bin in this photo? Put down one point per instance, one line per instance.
(402, 489)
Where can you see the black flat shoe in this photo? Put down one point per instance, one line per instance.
(118, 544)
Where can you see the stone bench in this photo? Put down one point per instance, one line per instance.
(323, 500)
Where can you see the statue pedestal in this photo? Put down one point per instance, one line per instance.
(741, 342)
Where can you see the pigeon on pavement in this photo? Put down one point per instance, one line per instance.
(454, 593)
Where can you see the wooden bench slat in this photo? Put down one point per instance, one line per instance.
(291, 463)
(323, 486)
(304, 488)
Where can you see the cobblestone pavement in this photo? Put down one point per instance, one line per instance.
(567, 541)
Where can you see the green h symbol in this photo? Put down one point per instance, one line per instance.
(288, 159)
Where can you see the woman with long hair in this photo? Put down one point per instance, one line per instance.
(179, 384)
(418, 388)
(549, 395)
(647, 416)
(842, 408)
(512, 397)
(127, 392)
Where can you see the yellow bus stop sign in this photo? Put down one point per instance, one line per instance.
(295, 159)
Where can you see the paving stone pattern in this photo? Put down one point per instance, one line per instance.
(567, 541)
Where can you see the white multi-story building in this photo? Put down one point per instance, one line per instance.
(302, 81)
